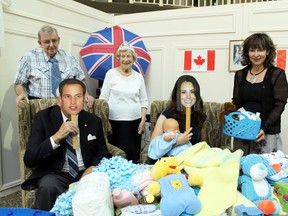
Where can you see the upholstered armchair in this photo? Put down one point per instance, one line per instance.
(26, 114)
(214, 129)
(215, 136)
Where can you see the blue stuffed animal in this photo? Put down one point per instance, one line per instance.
(177, 197)
(175, 189)
(254, 185)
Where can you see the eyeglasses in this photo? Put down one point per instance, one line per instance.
(47, 42)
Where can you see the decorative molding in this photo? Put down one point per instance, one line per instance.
(10, 185)
(9, 191)
(20, 33)
(59, 4)
(164, 16)
(76, 43)
(220, 28)
(206, 46)
(48, 21)
(6, 3)
(261, 14)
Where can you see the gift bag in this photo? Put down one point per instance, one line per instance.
(93, 196)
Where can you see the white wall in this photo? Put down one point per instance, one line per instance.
(166, 34)
(22, 20)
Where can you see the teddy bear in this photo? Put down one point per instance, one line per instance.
(228, 108)
(174, 188)
(254, 185)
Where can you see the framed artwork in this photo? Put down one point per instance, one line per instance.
(235, 51)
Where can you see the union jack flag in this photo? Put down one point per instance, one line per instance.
(98, 52)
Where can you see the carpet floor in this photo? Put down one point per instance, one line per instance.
(11, 200)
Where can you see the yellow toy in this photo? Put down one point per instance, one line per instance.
(164, 167)
(177, 195)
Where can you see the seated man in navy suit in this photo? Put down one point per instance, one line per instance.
(49, 151)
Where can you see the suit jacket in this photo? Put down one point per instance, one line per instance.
(44, 159)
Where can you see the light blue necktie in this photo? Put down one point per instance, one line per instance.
(72, 157)
(55, 75)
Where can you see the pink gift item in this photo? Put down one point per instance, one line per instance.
(123, 198)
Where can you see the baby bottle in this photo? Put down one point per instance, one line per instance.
(123, 198)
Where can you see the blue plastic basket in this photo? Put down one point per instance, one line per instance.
(24, 212)
(238, 125)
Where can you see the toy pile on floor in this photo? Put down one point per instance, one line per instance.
(200, 181)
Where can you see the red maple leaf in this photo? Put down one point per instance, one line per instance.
(199, 60)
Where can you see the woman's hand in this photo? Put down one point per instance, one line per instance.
(184, 137)
(260, 136)
(141, 127)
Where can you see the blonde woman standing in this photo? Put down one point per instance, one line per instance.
(124, 90)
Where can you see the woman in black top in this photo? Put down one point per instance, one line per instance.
(261, 87)
(186, 93)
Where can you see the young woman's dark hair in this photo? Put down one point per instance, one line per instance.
(178, 109)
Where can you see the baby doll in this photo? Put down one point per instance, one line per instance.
(170, 129)
(165, 144)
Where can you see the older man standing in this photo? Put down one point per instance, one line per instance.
(42, 69)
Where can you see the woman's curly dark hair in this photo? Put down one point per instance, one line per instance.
(178, 110)
(259, 41)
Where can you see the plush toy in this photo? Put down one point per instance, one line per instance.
(228, 108)
(123, 198)
(254, 185)
(177, 195)
(144, 179)
(164, 167)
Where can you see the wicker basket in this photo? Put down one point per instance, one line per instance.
(239, 125)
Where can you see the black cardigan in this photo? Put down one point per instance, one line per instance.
(274, 99)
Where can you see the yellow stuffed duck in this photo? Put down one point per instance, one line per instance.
(177, 195)
(254, 184)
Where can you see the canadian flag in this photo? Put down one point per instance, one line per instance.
(199, 60)
(282, 60)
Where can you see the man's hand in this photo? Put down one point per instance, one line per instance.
(21, 97)
(65, 129)
(89, 100)
(88, 171)
(21, 93)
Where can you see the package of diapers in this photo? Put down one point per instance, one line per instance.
(93, 196)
